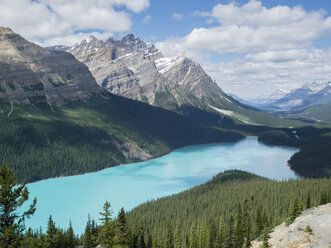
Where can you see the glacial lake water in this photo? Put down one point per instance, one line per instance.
(73, 198)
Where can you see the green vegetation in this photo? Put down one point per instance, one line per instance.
(11, 200)
(314, 157)
(241, 206)
(312, 114)
(41, 141)
(228, 211)
(308, 229)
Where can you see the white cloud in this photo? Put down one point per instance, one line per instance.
(263, 73)
(276, 44)
(177, 16)
(44, 21)
(147, 19)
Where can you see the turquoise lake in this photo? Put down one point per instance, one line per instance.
(73, 198)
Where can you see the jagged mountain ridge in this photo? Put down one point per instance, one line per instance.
(55, 120)
(29, 72)
(311, 103)
(134, 69)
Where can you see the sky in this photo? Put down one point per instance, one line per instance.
(249, 47)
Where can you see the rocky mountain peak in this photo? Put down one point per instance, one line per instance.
(129, 38)
(133, 43)
(91, 38)
(316, 86)
(5, 30)
(31, 73)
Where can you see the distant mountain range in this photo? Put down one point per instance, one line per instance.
(312, 94)
(135, 69)
(311, 102)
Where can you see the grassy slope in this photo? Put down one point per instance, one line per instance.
(318, 114)
(81, 137)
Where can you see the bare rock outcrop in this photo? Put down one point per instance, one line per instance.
(297, 235)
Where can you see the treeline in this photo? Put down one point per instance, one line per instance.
(78, 137)
(314, 158)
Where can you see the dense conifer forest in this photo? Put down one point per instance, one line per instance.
(314, 158)
(230, 210)
(81, 137)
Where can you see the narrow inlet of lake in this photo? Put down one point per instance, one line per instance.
(73, 198)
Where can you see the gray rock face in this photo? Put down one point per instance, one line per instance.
(294, 235)
(132, 68)
(31, 73)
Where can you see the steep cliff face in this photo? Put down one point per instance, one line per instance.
(122, 67)
(31, 73)
(132, 68)
(298, 235)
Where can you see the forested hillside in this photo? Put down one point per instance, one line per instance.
(39, 141)
(228, 211)
(314, 157)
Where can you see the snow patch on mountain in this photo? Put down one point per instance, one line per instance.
(165, 64)
(316, 87)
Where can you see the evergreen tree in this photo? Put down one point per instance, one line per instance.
(294, 211)
(140, 238)
(246, 224)
(50, 233)
(248, 236)
(149, 240)
(12, 197)
(107, 232)
(308, 201)
(265, 219)
(94, 233)
(122, 235)
(265, 237)
(213, 235)
(194, 243)
(229, 242)
(178, 237)
(203, 238)
(239, 231)
(58, 241)
(170, 236)
(70, 237)
(324, 198)
(221, 233)
(88, 239)
(258, 222)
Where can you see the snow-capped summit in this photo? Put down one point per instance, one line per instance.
(311, 94)
(165, 64)
(316, 87)
(91, 38)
